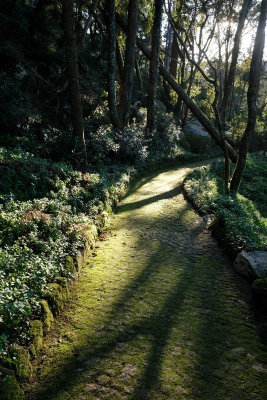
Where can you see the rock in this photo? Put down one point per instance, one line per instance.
(260, 288)
(56, 296)
(36, 335)
(47, 316)
(251, 264)
(21, 359)
(103, 379)
(260, 368)
(69, 263)
(9, 387)
(239, 350)
(197, 138)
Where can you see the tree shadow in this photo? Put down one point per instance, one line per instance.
(197, 281)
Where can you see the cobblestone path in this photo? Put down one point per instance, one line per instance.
(157, 314)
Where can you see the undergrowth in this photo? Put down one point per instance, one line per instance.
(242, 218)
(44, 207)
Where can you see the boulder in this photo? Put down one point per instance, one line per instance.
(251, 264)
(9, 387)
(47, 316)
(22, 362)
(36, 336)
(198, 139)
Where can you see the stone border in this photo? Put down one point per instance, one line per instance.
(53, 302)
(258, 280)
(58, 292)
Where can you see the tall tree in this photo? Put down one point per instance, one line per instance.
(229, 82)
(129, 64)
(154, 65)
(252, 94)
(205, 121)
(111, 27)
(73, 79)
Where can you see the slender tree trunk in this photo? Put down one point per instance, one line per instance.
(138, 75)
(178, 107)
(253, 90)
(73, 78)
(174, 56)
(168, 46)
(229, 83)
(186, 99)
(113, 112)
(154, 65)
(120, 75)
(129, 59)
(188, 92)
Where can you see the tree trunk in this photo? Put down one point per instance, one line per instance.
(253, 89)
(129, 59)
(154, 66)
(186, 99)
(111, 28)
(174, 56)
(73, 79)
(178, 106)
(229, 83)
(138, 75)
(168, 46)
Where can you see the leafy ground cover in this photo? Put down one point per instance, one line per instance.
(44, 207)
(157, 314)
(242, 219)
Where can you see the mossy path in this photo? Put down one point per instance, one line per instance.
(158, 312)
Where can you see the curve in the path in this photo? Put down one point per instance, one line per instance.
(157, 314)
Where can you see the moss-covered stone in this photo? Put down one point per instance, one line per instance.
(260, 288)
(22, 361)
(9, 387)
(70, 266)
(56, 296)
(47, 316)
(90, 236)
(102, 221)
(36, 334)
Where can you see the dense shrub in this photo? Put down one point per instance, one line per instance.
(242, 224)
(40, 205)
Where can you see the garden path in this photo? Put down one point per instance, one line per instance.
(158, 312)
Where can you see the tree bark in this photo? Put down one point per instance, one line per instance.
(187, 100)
(229, 83)
(252, 94)
(138, 74)
(129, 59)
(154, 66)
(174, 56)
(111, 28)
(168, 46)
(73, 79)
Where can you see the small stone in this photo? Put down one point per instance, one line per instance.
(166, 389)
(239, 350)
(259, 367)
(180, 390)
(124, 376)
(103, 379)
(91, 387)
(129, 369)
(177, 350)
(129, 390)
(110, 372)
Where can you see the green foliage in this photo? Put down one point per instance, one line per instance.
(244, 226)
(44, 208)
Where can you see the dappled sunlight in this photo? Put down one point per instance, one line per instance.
(154, 315)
